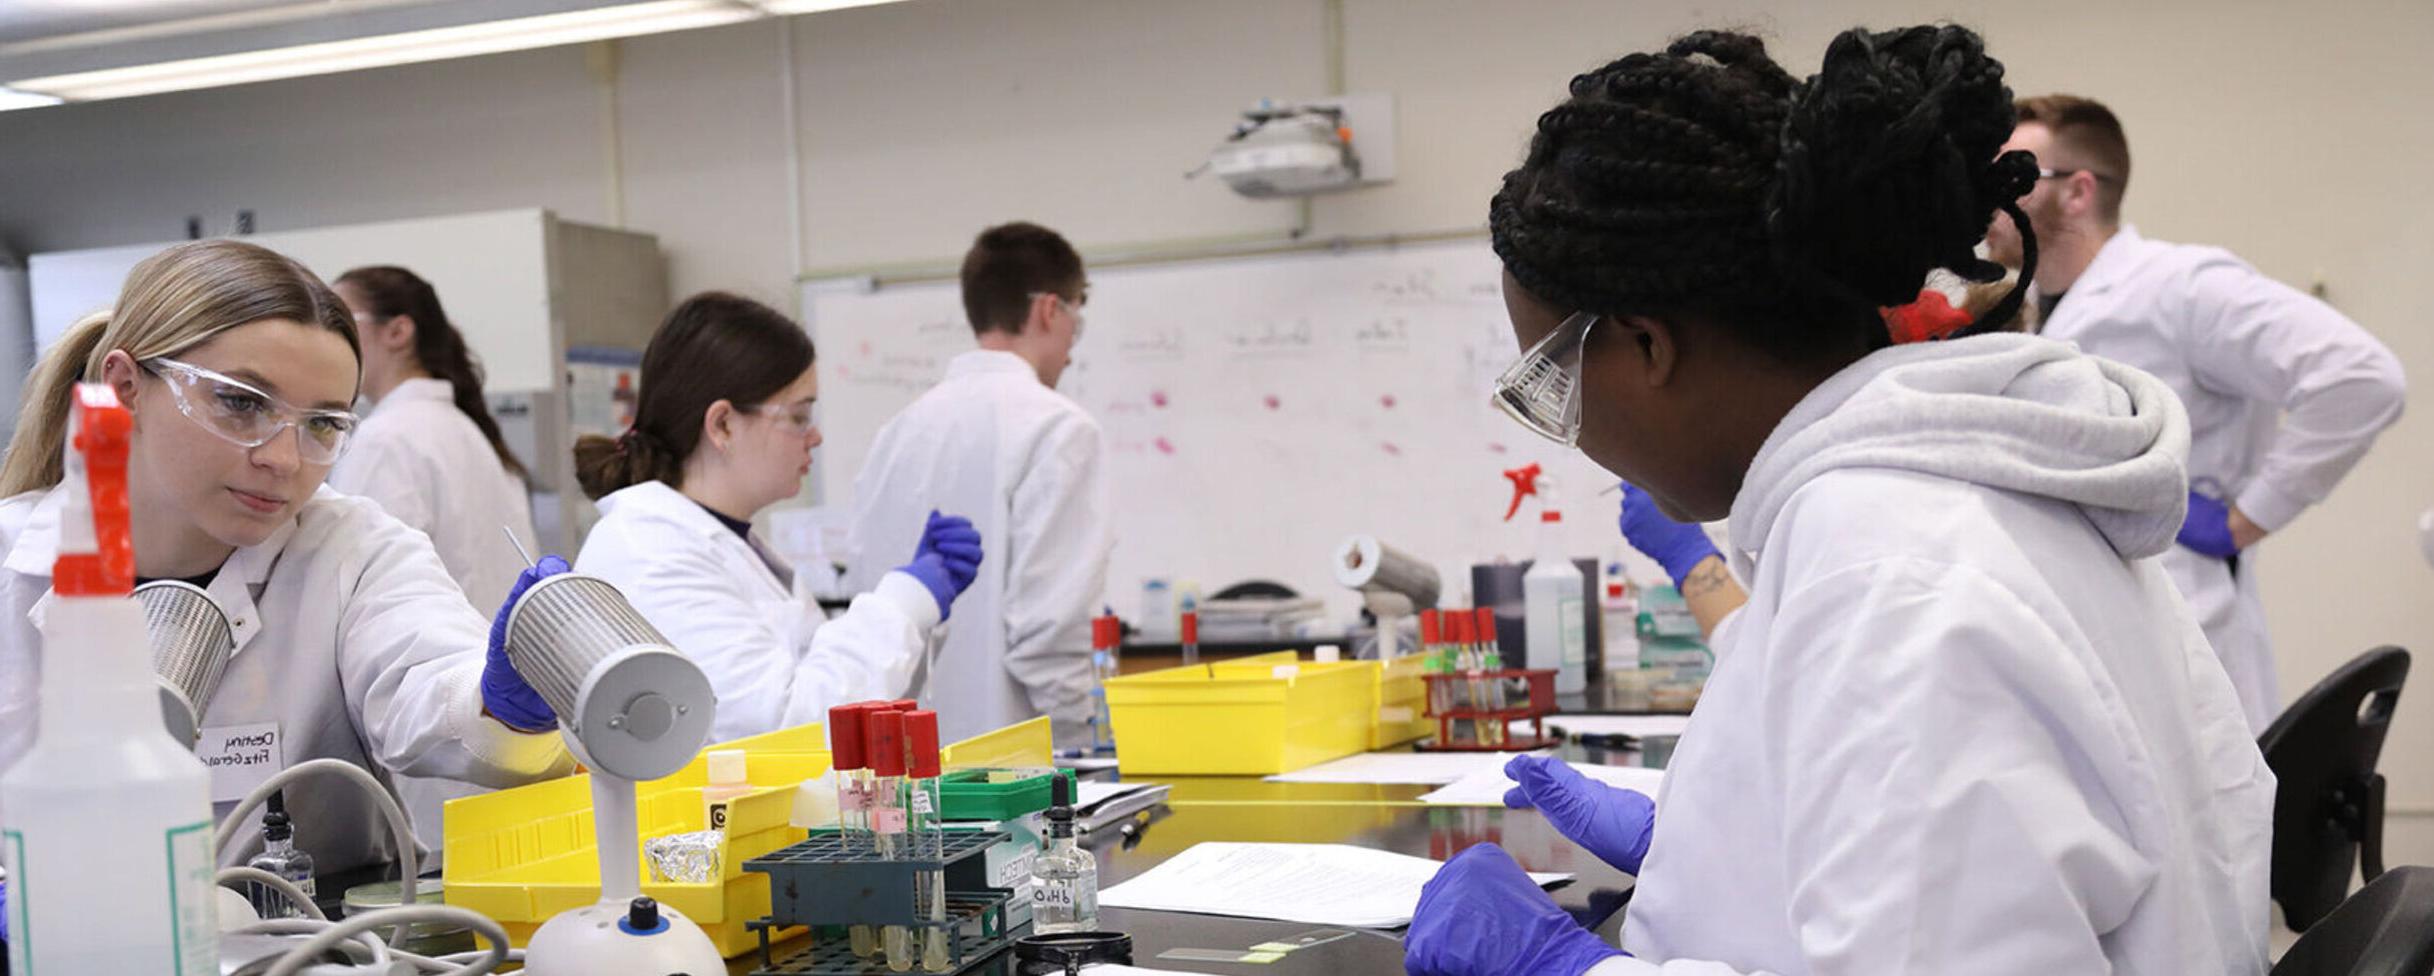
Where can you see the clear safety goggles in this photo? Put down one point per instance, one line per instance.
(795, 417)
(1542, 391)
(1071, 308)
(244, 415)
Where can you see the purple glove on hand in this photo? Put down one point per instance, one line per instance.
(1677, 547)
(1483, 916)
(1611, 822)
(947, 560)
(2208, 528)
(504, 692)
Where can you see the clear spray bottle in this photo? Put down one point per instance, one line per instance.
(108, 829)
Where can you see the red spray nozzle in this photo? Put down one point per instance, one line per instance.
(1525, 484)
(96, 542)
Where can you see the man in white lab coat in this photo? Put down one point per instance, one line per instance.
(996, 442)
(2284, 393)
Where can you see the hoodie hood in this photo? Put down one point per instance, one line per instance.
(2014, 412)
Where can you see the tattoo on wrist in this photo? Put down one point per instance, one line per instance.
(1709, 577)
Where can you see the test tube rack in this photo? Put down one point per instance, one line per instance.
(828, 883)
(1529, 695)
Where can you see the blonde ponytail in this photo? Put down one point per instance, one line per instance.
(42, 417)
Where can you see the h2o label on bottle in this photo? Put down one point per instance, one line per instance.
(1051, 895)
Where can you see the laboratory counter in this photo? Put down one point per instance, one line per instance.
(1382, 817)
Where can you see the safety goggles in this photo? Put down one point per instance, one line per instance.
(795, 417)
(1071, 308)
(1542, 391)
(244, 415)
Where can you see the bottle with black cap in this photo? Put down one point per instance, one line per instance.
(280, 857)
(1065, 878)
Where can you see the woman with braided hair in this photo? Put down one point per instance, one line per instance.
(1964, 723)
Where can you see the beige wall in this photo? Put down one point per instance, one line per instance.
(2296, 135)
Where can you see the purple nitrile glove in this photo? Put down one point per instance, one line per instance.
(2208, 528)
(1483, 916)
(1678, 547)
(504, 692)
(1611, 822)
(947, 560)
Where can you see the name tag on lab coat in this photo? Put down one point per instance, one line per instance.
(241, 757)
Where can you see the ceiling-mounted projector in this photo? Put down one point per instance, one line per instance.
(1292, 150)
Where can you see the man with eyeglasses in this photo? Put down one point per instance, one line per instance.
(2284, 393)
(996, 442)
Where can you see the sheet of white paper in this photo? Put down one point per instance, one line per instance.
(1086, 765)
(1093, 791)
(1318, 884)
(1633, 725)
(1487, 789)
(1421, 768)
(1113, 969)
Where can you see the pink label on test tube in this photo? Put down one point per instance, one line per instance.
(888, 820)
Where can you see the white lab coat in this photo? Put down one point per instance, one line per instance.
(774, 659)
(350, 639)
(2284, 396)
(428, 466)
(1964, 724)
(990, 443)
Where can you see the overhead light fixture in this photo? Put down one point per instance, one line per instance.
(435, 44)
(785, 7)
(11, 98)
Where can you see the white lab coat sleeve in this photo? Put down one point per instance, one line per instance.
(1938, 753)
(867, 652)
(1056, 573)
(382, 470)
(2337, 387)
(410, 655)
(1627, 966)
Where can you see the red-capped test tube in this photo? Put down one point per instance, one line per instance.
(929, 837)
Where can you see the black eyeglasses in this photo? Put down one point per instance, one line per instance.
(2058, 174)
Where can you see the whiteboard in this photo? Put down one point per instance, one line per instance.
(1257, 412)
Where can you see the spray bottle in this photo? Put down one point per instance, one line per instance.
(1555, 632)
(106, 816)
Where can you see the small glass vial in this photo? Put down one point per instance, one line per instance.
(280, 857)
(1065, 878)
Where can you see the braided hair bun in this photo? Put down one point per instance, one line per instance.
(1705, 181)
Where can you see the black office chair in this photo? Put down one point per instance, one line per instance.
(2386, 929)
(2328, 808)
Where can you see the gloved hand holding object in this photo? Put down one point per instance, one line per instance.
(947, 560)
(504, 692)
(1678, 547)
(1483, 916)
(1611, 822)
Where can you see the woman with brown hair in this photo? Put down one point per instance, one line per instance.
(723, 429)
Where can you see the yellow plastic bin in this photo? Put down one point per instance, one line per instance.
(1247, 717)
(1401, 713)
(523, 855)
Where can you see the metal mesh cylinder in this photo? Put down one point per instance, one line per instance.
(191, 640)
(1364, 563)
(564, 626)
